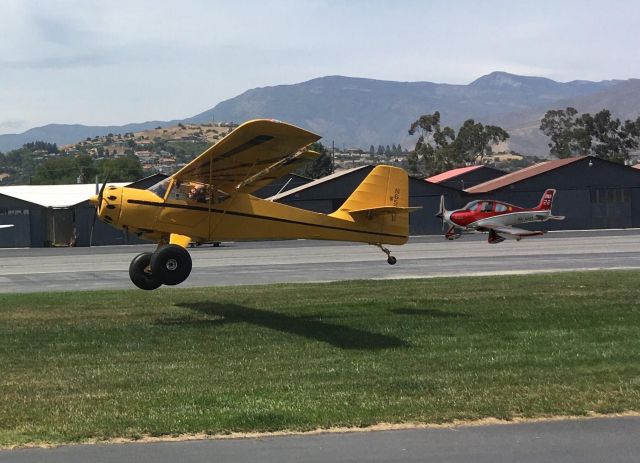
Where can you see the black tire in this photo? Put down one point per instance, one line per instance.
(171, 264)
(139, 272)
(392, 260)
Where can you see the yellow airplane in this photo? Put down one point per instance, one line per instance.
(210, 200)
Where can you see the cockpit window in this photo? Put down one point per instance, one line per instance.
(501, 208)
(189, 191)
(160, 188)
(471, 206)
(487, 206)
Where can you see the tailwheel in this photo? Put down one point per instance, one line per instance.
(390, 259)
(171, 264)
(140, 272)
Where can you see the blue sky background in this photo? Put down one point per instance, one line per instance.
(115, 62)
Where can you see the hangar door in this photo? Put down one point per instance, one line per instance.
(61, 227)
(611, 208)
(18, 236)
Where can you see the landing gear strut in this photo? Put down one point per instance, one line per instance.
(390, 259)
(494, 238)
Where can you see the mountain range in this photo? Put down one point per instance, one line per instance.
(358, 112)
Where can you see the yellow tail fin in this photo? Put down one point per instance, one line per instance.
(381, 202)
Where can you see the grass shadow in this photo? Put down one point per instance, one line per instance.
(434, 313)
(343, 337)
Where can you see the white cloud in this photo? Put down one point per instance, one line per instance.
(118, 61)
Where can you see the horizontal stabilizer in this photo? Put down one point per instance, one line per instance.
(374, 211)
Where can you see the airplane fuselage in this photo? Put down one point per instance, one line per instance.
(242, 217)
(479, 220)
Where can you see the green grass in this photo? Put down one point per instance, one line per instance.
(97, 365)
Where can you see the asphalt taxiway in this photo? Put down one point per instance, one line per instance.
(614, 440)
(64, 269)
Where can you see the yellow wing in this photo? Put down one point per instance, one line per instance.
(250, 157)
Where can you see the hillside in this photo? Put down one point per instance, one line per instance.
(623, 99)
(161, 149)
(358, 112)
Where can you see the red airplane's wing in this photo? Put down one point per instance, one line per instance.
(517, 232)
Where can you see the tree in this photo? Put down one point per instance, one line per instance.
(122, 169)
(41, 145)
(321, 166)
(560, 126)
(609, 138)
(599, 135)
(440, 149)
(372, 150)
(475, 141)
(56, 171)
(433, 144)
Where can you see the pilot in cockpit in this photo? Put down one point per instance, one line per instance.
(198, 193)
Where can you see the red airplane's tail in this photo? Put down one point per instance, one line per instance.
(546, 201)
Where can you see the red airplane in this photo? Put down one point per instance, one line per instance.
(497, 218)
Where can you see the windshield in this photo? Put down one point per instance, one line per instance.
(471, 206)
(160, 188)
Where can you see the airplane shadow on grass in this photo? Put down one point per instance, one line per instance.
(343, 337)
(432, 313)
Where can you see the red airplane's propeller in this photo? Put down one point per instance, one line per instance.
(441, 212)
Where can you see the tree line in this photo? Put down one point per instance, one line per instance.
(437, 149)
(600, 135)
(440, 148)
(40, 163)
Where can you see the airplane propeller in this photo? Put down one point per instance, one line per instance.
(98, 207)
(441, 211)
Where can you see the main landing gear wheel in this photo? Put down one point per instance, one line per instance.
(171, 264)
(140, 272)
(391, 260)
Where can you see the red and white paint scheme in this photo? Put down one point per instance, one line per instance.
(497, 218)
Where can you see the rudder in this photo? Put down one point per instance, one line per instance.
(380, 202)
(547, 200)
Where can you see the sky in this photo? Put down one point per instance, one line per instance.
(114, 62)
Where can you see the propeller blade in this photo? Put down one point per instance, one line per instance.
(441, 211)
(100, 195)
(93, 224)
(98, 207)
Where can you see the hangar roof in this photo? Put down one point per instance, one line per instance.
(53, 195)
(314, 183)
(522, 174)
(451, 174)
